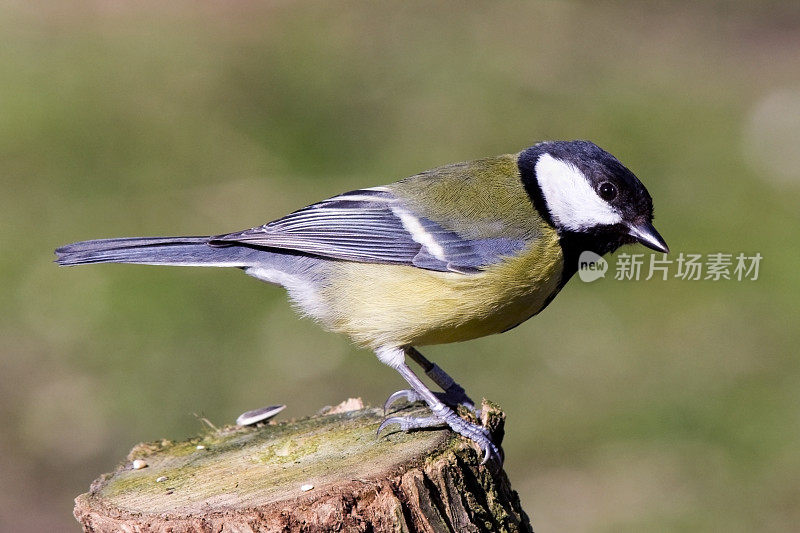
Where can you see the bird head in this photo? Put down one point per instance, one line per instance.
(586, 193)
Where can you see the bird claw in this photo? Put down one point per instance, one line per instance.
(453, 397)
(410, 396)
(478, 434)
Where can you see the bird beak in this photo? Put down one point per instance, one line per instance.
(646, 234)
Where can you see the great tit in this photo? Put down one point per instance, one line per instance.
(447, 255)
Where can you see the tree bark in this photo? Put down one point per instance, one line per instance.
(324, 473)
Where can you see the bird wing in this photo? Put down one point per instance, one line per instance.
(374, 226)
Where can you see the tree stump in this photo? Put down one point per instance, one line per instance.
(324, 473)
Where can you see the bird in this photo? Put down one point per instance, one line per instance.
(451, 254)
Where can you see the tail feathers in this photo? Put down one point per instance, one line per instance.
(185, 251)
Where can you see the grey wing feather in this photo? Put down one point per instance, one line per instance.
(373, 226)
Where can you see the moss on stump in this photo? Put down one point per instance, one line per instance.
(324, 473)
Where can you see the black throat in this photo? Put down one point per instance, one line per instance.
(573, 244)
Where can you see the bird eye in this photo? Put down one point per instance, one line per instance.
(607, 191)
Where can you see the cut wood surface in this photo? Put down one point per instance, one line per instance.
(324, 473)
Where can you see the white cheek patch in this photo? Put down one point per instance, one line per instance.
(573, 203)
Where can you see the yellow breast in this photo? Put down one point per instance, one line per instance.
(379, 305)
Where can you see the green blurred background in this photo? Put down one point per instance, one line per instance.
(632, 406)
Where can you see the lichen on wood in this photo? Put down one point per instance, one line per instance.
(326, 472)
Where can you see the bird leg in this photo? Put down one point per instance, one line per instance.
(442, 414)
(454, 394)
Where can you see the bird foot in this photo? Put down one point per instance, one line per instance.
(446, 416)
